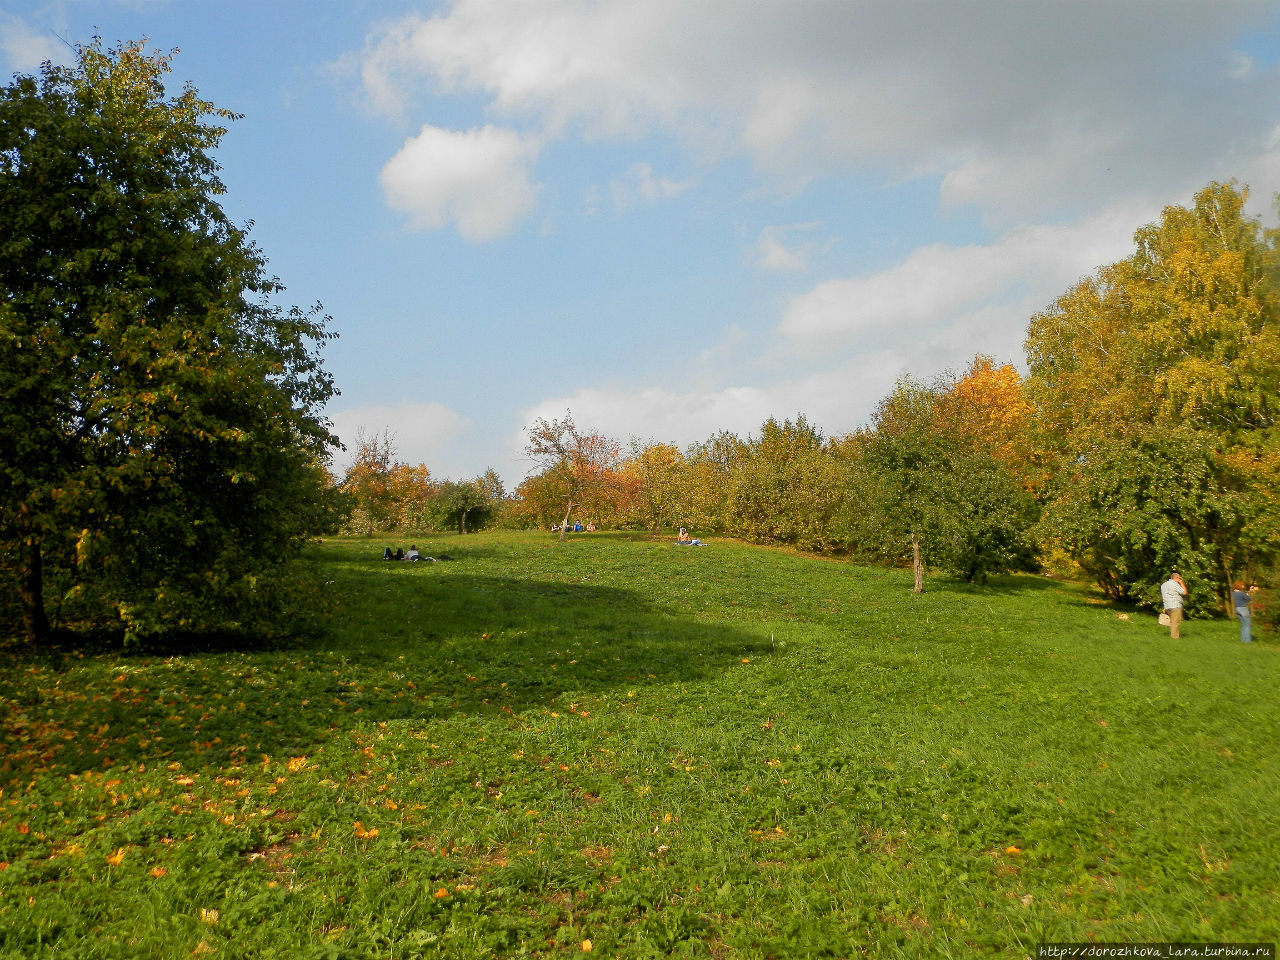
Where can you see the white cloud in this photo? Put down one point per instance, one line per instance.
(429, 433)
(1024, 108)
(939, 286)
(734, 342)
(1242, 66)
(24, 49)
(773, 251)
(477, 180)
(838, 399)
(640, 187)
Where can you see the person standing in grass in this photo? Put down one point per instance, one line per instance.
(1242, 600)
(1171, 593)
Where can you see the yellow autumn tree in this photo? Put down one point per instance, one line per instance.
(656, 483)
(1154, 385)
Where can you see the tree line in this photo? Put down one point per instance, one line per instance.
(383, 495)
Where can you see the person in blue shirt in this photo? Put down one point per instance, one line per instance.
(1241, 600)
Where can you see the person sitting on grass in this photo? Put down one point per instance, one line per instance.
(387, 554)
(398, 555)
(412, 554)
(684, 540)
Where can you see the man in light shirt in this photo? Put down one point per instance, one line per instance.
(1171, 593)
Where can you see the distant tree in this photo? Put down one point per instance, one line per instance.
(709, 470)
(412, 492)
(901, 498)
(656, 479)
(786, 487)
(491, 486)
(161, 439)
(537, 502)
(456, 502)
(577, 464)
(368, 482)
(927, 489)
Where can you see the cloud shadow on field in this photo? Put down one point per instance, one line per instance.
(425, 642)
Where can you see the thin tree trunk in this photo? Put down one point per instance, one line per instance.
(917, 565)
(565, 523)
(35, 623)
(464, 521)
(1225, 590)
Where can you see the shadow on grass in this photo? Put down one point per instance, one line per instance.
(424, 642)
(1011, 584)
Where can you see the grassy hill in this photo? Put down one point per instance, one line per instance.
(619, 746)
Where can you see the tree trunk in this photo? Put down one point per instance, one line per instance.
(1224, 588)
(565, 523)
(464, 520)
(35, 623)
(917, 565)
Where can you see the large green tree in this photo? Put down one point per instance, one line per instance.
(1155, 386)
(161, 444)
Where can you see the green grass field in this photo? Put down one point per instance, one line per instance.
(617, 746)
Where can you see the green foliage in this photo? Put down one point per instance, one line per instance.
(929, 492)
(1129, 512)
(991, 521)
(724, 752)
(466, 506)
(160, 432)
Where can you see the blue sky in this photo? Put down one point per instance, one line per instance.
(679, 216)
